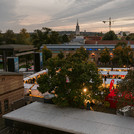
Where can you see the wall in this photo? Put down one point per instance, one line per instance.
(11, 89)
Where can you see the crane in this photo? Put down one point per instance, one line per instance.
(109, 21)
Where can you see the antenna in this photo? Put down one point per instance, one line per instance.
(109, 21)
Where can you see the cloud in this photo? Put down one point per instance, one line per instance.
(8, 14)
(32, 20)
(7, 11)
(79, 7)
(90, 13)
(62, 14)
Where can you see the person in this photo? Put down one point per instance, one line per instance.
(88, 106)
(105, 78)
(108, 74)
(33, 80)
(92, 104)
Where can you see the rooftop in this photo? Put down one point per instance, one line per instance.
(61, 46)
(72, 120)
(18, 47)
(3, 73)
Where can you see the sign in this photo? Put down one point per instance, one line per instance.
(16, 64)
(41, 61)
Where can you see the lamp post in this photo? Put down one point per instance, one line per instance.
(84, 90)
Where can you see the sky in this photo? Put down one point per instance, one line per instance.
(62, 15)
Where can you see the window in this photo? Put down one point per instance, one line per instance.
(6, 105)
(0, 108)
(2, 79)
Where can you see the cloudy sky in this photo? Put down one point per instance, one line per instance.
(63, 14)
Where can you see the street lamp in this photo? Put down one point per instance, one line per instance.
(84, 90)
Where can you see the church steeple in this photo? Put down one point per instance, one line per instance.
(77, 28)
(77, 23)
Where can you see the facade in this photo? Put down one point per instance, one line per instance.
(11, 91)
(79, 40)
(93, 49)
(77, 29)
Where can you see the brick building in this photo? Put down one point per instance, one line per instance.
(93, 38)
(11, 91)
(107, 42)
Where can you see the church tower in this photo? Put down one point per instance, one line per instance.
(77, 29)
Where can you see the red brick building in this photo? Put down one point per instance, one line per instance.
(93, 38)
(107, 42)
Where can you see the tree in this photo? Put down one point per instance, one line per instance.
(124, 34)
(60, 55)
(10, 37)
(125, 91)
(46, 53)
(130, 37)
(40, 37)
(69, 78)
(105, 56)
(23, 37)
(54, 38)
(71, 36)
(45, 36)
(117, 56)
(65, 38)
(123, 54)
(81, 53)
(1, 38)
(110, 36)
